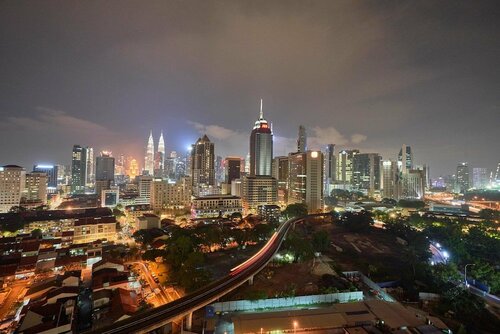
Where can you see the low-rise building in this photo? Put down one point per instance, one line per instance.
(216, 206)
(148, 221)
(95, 228)
(270, 213)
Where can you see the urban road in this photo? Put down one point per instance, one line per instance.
(163, 315)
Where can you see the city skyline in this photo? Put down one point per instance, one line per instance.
(358, 75)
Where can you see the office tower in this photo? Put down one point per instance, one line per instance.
(202, 166)
(305, 179)
(329, 170)
(412, 184)
(463, 175)
(110, 197)
(405, 159)
(479, 178)
(258, 190)
(280, 173)
(12, 180)
(366, 172)
(389, 177)
(261, 147)
(232, 169)
(79, 166)
(105, 172)
(344, 167)
(302, 140)
(52, 174)
(35, 190)
(160, 158)
(90, 177)
(149, 159)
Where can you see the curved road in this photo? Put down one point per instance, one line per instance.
(158, 317)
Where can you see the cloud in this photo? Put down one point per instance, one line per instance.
(231, 142)
(357, 138)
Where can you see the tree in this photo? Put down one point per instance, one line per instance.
(489, 214)
(357, 221)
(295, 210)
(36, 233)
(320, 241)
(300, 248)
(153, 254)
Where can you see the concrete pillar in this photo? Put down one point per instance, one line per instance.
(250, 280)
(189, 321)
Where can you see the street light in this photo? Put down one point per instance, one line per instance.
(295, 324)
(465, 273)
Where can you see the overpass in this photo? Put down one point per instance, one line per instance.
(158, 318)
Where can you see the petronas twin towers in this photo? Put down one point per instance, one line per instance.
(154, 161)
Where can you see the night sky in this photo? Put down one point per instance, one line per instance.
(371, 75)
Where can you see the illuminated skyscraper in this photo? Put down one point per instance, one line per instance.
(405, 159)
(90, 177)
(389, 179)
(160, 157)
(202, 166)
(344, 167)
(35, 190)
(149, 159)
(366, 172)
(302, 140)
(261, 147)
(79, 164)
(329, 169)
(51, 172)
(306, 179)
(463, 177)
(479, 178)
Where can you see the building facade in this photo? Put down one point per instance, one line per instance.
(167, 196)
(366, 172)
(258, 190)
(202, 166)
(12, 181)
(79, 170)
(214, 206)
(261, 147)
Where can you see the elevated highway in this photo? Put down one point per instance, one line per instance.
(160, 317)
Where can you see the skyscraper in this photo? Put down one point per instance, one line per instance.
(105, 172)
(51, 172)
(306, 179)
(405, 159)
(160, 157)
(479, 178)
(329, 169)
(463, 177)
(79, 166)
(232, 168)
(261, 147)
(389, 186)
(90, 172)
(149, 159)
(366, 172)
(344, 167)
(202, 166)
(280, 173)
(302, 140)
